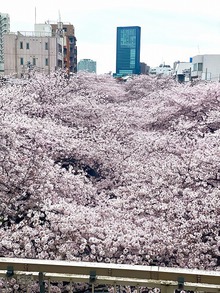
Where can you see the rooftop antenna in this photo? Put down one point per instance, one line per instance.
(60, 25)
(35, 15)
(61, 34)
(59, 16)
(59, 30)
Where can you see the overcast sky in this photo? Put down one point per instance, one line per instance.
(171, 30)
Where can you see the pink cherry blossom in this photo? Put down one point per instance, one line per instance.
(96, 170)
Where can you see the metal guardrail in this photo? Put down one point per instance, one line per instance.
(167, 279)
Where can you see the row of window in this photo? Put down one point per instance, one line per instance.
(34, 62)
(28, 46)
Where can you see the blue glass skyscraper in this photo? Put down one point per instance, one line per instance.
(128, 50)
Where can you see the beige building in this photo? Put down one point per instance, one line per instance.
(49, 47)
(24, 51)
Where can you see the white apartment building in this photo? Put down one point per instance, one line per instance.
(4, 28)
(206, 67)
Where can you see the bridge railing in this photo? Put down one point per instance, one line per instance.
(166, 279)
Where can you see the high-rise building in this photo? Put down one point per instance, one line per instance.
(87, 65)
(4, 28)
(128, 50)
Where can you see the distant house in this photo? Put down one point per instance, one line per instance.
(206, 67)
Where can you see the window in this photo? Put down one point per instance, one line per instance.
(34, 61)
(200, 66)
(27, 46)
(46, 46)
(59, 48)
(46, 62)
(21, 45)
(125, 71)
(21, 61)
(128, 38)
(195, 67)
(132, 58)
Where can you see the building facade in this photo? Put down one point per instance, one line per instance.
(144, 68)
(70, 48)
(46, 49)
(206, 67)
(182, 71)
(4, 28)
(25, 51)
(128, 50)
(87, 65)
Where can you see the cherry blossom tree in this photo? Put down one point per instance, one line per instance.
(92, 169)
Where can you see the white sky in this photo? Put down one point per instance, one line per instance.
(171, 30)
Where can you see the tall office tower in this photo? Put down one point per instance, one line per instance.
(87, 65)
(128, 50)
(4, 28)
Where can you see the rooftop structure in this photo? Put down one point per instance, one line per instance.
(161, 69)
